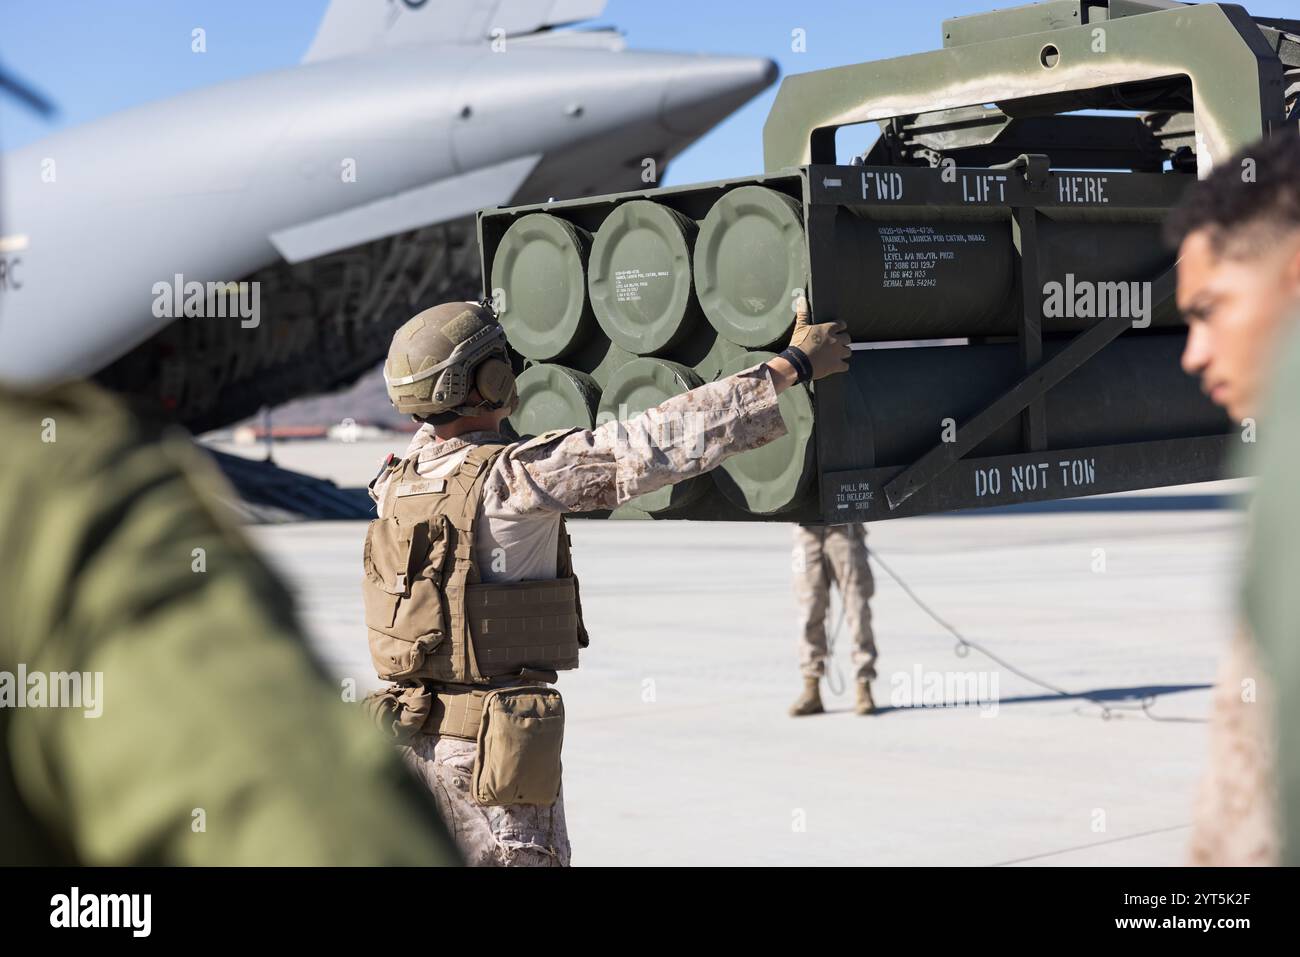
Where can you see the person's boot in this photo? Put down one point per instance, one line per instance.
(810, 702)
(866, 704)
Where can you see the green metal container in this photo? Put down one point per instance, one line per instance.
(539, 285)
(642, 384)
(774, 478)
(640, 277)
(1025, 231)
(750, 259)
(554, 397)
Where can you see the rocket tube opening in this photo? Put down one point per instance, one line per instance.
(749, 259)
(555, 397)
(539, 278)
(639, 277)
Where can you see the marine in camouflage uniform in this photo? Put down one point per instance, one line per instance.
(824, 555)
(532, 483)
(220, 740)
(1239, 289)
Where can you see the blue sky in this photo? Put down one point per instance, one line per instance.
(94, 57)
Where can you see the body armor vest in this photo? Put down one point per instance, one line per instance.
(429, 615)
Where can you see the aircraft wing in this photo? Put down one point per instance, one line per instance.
(437, 202)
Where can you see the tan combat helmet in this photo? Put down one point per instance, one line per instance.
(440, 355)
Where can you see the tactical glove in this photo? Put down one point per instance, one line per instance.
(816, 350)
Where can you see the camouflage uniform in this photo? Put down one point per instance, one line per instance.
(530, 486)
(221, 740)
(1234, 824)
(822, 555)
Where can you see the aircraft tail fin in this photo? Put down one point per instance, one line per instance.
(350, 27)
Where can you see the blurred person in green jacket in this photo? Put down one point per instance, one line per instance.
(158, 704)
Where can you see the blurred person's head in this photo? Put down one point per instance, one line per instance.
(1238, 236)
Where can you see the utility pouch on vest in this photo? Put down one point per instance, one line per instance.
(401, 711)
(404, 605)
(519, 742)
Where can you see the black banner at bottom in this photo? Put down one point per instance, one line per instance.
(940, 906)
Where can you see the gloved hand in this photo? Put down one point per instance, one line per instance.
(817, 350)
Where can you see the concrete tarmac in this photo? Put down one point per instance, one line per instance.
(678, 749)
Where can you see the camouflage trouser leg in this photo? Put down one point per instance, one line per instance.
(514, 836)
(1235, 818)
(836, 554)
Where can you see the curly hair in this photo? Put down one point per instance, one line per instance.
(1242, 214)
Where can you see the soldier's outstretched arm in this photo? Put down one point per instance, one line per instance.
(205, 732)
(687, 435)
